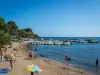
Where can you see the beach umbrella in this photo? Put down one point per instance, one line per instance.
(33, 68)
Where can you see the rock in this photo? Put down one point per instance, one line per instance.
(65, 68)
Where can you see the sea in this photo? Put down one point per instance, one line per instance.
(83, 55)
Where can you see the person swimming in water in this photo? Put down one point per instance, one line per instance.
(35, 49)
(97, 62)
(67, 57)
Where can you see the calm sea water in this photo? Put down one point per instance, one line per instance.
(83, 55)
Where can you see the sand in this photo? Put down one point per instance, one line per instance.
(48, 67)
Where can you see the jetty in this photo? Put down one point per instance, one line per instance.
(58, 42)
(52, 42)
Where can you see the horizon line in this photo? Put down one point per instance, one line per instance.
(70, 36)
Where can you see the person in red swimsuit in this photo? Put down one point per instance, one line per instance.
(30, 55)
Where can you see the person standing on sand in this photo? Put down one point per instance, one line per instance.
(12, 60)
(30, 55)
(11, 64)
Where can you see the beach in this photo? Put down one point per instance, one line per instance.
(51, 67)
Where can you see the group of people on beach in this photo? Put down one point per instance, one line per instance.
(32, 54)
(10, 57)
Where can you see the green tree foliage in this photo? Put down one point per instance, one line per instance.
(2, 21)
(28, 30)
(3, 25)
(4, 40)
(12, 28)
(36, 36)
(29, 34)
(21, 33)
(24, 33)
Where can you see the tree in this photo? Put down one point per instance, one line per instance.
(3, 25)
(25, 33)
(2, 21)
(5, 39)
(21, 33)
(28, 30)
(12, 28)
(29, 34)
(36, 36)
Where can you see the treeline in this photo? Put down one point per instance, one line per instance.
(27, 32)
(11, 29)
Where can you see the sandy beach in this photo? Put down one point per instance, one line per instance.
(48, 67)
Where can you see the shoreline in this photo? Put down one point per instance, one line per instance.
(64, 64)
(51, 67)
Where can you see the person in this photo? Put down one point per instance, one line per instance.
(12, 57)
(97, 62)
(30, 55)
(35, 49)
(12, 60)
(67, 57)
(11, 64)
(32, 73)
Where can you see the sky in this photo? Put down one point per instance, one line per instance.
(54, 18)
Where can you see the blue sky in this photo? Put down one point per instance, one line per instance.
(64, 18)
